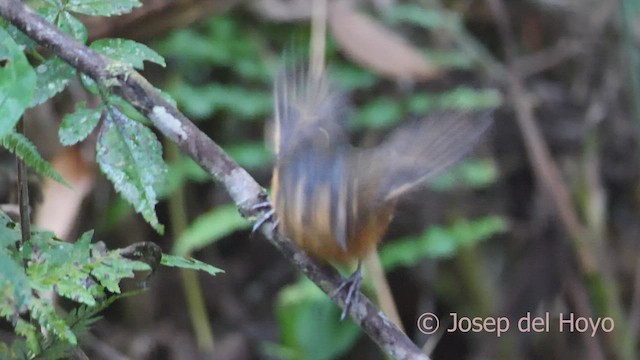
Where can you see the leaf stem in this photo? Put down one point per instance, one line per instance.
(23, 195)
(191, 286)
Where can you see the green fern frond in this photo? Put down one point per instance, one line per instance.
(83, 317)
(23, 148)
(47, 317)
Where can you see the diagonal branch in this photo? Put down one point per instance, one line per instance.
(243, 189)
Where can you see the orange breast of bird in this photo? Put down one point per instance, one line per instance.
(323, 205)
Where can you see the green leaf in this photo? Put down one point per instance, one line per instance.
(202, 102)
(379, 113)
(209, 228)
(468, 233)
(349, 78)
(117, 210)
(53, 76)
(473, 173)
(188, 263)
(17, 83)
(127, 51)
(130, 155)
(29, 332)
(9, 231)
(220, 42)
(470, 99)
(190, 45)
(102, 8)
(301, 304)
(180, 171)
(112, 268)
(450, 59)
(49, 10)
(25, 42)
(79, 271)
(63, 267)
(75, 284)
(15, 288)
(89, 84)
(19, 145)
(127, 109)
(422, 16)
(249, 154)
(435, 242)
(440, 241)
(72, 26)
(83, 316)
(461, 98)
(43, 311)
(76, 126)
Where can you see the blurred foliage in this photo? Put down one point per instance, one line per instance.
(471, 173)
(188, 263)
(83, 272)
(208, 228)
(17, 83)
(22, 147)
(440, 241)
(309, 325)
(129, 154)
(137, 177)
(229, 51)
(203, 101)
(78, 321)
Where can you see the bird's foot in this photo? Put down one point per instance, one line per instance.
(352, 284)
(268, 215)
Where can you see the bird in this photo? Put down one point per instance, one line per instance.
(334, 199)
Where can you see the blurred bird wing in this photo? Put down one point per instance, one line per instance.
(419, 150)
(304, 106)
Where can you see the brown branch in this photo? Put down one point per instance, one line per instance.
(545, 59)
(243, 189)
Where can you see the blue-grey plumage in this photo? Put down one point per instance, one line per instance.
(336, 200)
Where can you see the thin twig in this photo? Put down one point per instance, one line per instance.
(544, 166)
(545, 59)
(189, 278)
(383, 293)
(242, 188)
(23, 196)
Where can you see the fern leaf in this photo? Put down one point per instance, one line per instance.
(43, 311)
(23, 148)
